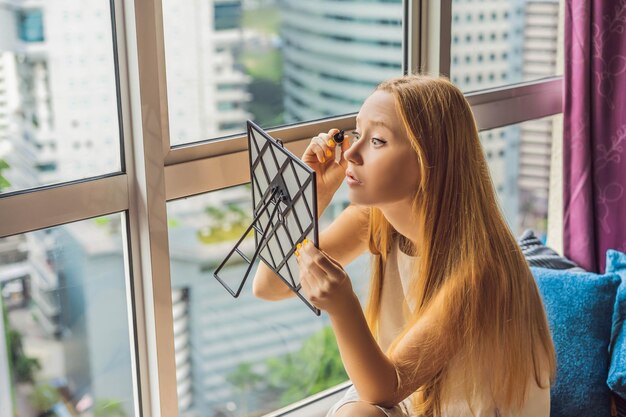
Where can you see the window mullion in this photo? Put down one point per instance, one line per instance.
(147, 146)
(506, 106)
(492, 108)
(434, 36)
(54, 205)
(411, 47)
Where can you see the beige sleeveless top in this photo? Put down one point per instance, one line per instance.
(394, 312)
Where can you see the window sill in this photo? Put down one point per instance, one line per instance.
(314, 406)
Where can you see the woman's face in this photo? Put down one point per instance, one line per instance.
(381, 157)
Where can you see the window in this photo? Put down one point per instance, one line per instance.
(46, 100)
(64, 312)
(165, 235)
(519, 161)
(242, 355)
(227, 14)
(31, 25)
(281, 61)
(530, 27)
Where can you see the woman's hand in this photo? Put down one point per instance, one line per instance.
(320, 156)
(325, 283)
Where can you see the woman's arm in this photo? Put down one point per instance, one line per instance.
(344, 239)
(419, 356)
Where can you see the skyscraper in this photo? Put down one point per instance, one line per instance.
(540, 60)
(336, 53)
(486, 51)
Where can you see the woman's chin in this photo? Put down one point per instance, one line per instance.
(358, 200)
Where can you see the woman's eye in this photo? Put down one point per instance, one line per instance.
(377, 140)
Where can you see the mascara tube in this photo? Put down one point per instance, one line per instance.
(338, 138)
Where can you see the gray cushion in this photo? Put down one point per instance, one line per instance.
(539, 255)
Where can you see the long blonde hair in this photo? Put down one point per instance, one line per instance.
(466, 249)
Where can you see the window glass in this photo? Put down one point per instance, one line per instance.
(64, 316)
(243, 356)
(519, 160)
(274, 61)
(58, 96)
(521, 40)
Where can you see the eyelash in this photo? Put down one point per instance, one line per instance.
(359, 137)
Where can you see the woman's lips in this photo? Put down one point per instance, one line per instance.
(351, 179)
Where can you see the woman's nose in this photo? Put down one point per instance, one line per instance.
(353, 154)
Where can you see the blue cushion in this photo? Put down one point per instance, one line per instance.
(616, 263)
(579, 307)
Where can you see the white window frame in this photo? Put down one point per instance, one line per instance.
(155, 174)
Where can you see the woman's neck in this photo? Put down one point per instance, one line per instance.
(397, 215)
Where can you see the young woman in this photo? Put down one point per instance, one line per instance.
(454, 324)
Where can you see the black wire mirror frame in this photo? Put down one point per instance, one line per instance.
(280, 204)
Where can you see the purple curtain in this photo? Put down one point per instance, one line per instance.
(594, 131)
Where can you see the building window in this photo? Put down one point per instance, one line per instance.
(227, 105)
(30, 25)
(227, 14)
(229, 125)
(47, 167)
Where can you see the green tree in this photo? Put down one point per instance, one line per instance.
(7, 340)
(23, 366)
(44, 397)
(242, 217)
(314, 368)
(244, 379)
(215, 213)
(109, 408)
(4, 183)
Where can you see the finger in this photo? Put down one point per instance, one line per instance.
(315, 258)
(315, 149)
(312, 278)
(345, 145)
(305, 286)
(323, 144)
(330, 137)
(315, 285)
(320, 259)
(333, 261)
(306, 292)
(317, 274)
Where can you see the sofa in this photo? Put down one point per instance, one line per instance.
(586, 313)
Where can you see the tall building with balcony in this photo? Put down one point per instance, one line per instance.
(58, 104)
(231, 84)
(336, 53)
(66, 91)
(207, 92)
(9, 102)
